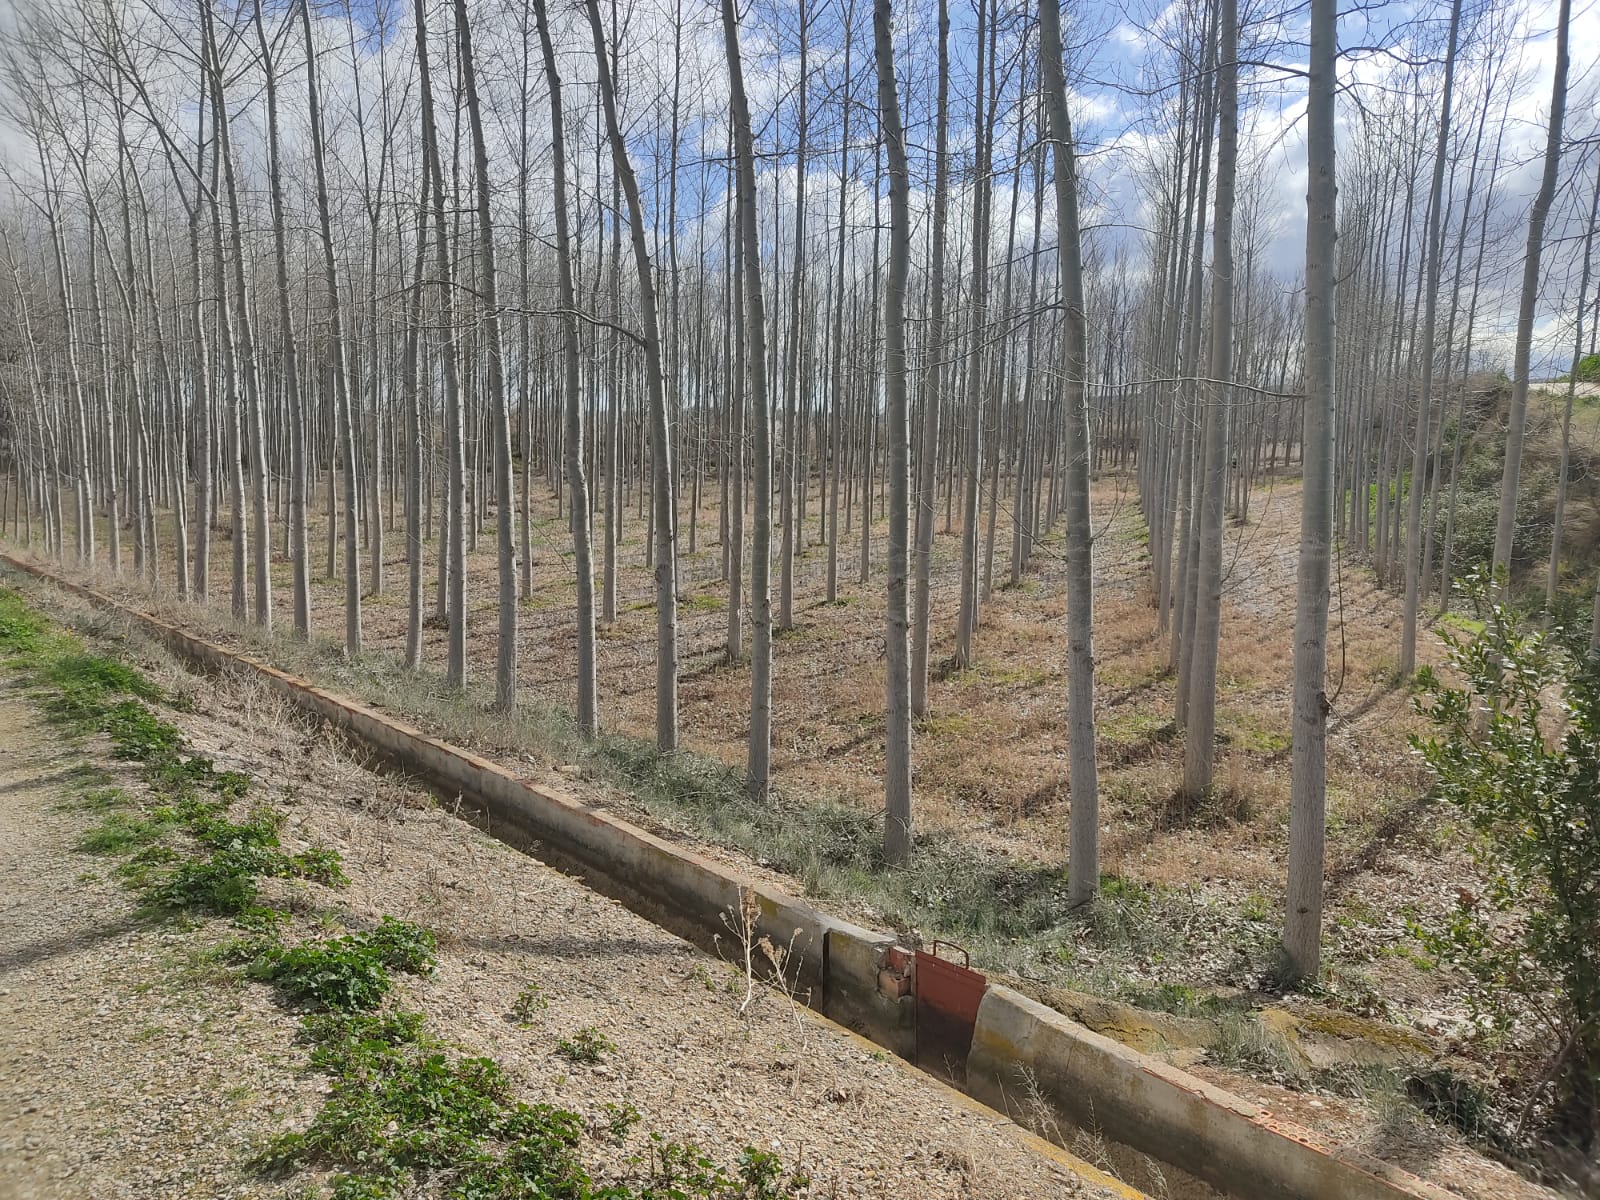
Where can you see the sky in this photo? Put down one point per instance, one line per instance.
(1123, 79)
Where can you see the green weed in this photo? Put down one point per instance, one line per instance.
(120, 833)
(352, 973)
(587, 1046)
(530, 1000)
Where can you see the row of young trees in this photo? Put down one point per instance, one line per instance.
(411, 265)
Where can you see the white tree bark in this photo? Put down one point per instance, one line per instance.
(1199, 754)
(1517, 422)
(572, 405)
(1302, 934)
(897, 739)
(1083, 875)
(338, 359)
(758, 769)
(505, 521)
(664, 509)
(1433, 249)
(933, 373)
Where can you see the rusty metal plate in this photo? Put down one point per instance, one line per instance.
(947, 995)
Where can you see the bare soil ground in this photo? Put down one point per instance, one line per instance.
(131, 1069)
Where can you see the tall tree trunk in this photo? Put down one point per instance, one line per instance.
(967, 618)
(1517, 423)
(836, 382)
(737, 435)
(1433, 249)
(505, 669)
(1199, 755)
(897, 740)
(792, 520)
(663, 505)
(1302, 934)
(1083, 876)
(338, 364)
(413, 372)
(288, 351)
(572, 404)
(1553, 575)
(933, 372)
(452, 555)
(758, 773)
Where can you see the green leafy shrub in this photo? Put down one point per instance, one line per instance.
(259, 829)
(1516, 751)
(620, 1120)
(320, 864)
(340, 974)
(351, 973)
(402, 1106)
(1588, 370)
(137, 734)
(225, 884)
(348, 1042)
(402, 946)
(1478, 512)
(530, 1000)
(764, 1178)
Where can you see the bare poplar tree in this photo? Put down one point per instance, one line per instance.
(1302, 934)
(338, 362)
(1083, 878)
(897, 740)
(758, 769)
(288, 350)
(452, 558)
(932, 372)
(578, 513)
(505, 670)
(663, 504)
(1517, 422)
(1199, 753)
(1433, 250)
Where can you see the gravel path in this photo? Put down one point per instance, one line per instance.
(126, 1069)
(119, 1075)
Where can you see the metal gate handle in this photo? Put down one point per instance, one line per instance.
(965, 957)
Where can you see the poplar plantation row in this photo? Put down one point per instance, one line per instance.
(407, 264)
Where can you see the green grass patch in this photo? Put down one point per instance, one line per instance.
(100, 799)
(1010, 913)
(121, 833)
(1133, 728)
(950, 725)
(1462, 624)
(22, 631)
